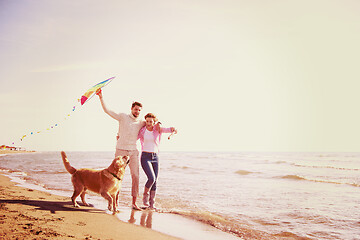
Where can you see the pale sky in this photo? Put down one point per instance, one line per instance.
(231, 75)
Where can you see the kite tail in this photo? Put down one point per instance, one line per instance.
(67, 165)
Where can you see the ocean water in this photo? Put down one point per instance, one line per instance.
(273, 195)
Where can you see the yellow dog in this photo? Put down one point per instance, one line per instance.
(106, 182)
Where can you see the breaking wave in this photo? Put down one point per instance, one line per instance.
(239, 229)
(326, 167)
(243, 172)
(293, 177)
(300, 178)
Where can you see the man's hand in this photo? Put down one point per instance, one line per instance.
(99, 93)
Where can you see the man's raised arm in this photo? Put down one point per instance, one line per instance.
(106, 110)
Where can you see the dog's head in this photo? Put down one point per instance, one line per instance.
(120, 163)
(126, 159)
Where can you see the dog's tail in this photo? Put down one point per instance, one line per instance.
(67, 165)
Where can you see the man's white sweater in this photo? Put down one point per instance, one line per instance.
(129, 127)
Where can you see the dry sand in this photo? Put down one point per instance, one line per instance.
(32, 214)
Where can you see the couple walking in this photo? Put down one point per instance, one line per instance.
(132, 128)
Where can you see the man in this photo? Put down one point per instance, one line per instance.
(129, 126)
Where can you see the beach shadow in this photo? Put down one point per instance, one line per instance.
(52, 206)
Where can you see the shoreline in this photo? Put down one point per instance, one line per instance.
(162, 222)
(28, 214)
(30, 211)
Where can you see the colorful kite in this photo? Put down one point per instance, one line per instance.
(90, 93)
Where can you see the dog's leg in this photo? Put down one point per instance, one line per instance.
(76, 193)
(117, 199)
(83, 197)
(114, 197)
(107, 196)
(78, 189)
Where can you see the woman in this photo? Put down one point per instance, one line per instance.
(150, 136)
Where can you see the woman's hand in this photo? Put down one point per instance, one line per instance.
(173, 130)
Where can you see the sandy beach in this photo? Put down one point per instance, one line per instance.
(32, 214)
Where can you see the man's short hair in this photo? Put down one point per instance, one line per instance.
(136, 104)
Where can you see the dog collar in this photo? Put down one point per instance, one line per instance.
(114, 175)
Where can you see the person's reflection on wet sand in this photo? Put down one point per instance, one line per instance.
(132, 216)
(146, 218)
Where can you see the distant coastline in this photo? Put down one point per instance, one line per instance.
(6, 151)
